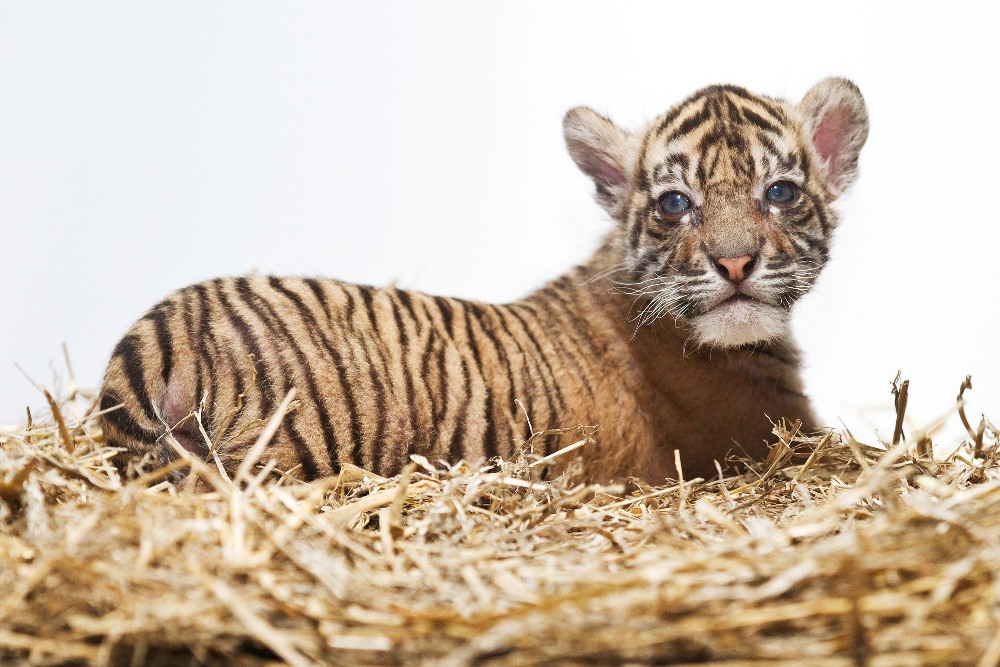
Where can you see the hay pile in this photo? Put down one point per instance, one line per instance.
(831, 553)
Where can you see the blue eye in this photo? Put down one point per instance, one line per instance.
(782, 192)
(674, 203)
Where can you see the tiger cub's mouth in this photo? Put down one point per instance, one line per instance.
(738, 296)
(739, 319)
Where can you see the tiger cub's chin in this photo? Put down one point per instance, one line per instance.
(735, 323)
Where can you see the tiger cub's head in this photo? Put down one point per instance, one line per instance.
(723, 202)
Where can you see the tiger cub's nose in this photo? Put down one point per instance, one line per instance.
(735, 268)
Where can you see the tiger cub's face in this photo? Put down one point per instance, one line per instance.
(723, 202)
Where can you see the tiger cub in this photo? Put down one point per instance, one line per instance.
(674, 335)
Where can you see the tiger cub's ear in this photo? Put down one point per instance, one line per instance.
(836, 120)
(604, 152)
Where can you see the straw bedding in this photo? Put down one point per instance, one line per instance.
(831, 552)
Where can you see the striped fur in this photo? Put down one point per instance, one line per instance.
(645, 339)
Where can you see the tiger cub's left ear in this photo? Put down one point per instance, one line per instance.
(836, 120)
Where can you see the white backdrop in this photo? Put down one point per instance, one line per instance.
(144, 146)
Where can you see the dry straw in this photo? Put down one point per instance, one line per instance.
(831, 552)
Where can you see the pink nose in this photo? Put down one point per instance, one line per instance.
(734, 268)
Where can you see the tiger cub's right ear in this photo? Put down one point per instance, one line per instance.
(604, 152)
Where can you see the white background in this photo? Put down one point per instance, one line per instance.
(144, 146)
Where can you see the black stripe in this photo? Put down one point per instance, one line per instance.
(802, 160)
(648, 257)
(780, 267)
(128, 350)
(406, 301)
(425, 361)
(554, 390)
(756, 119)
(643, 183)
(404, 346)
(674, 163)
(635, 229)
(657, 234)
(221, 356)
(309, 470)
(801, 244)
(338, 363)
(381, 400)
(709, 151)
(158, 316)
(799, 218)
(492, 446)
(456, 450)
(351, 307)
(368, 299)
(268, 401)
(541, 360)
(683, 106)
(188, 322)
(714, 92)
(439, 410)
(489, 409)
(728, 113)
(195, 341)
(122, 422)
(578, 368)
(669, 117)
(824, 221)
(445, 307)
(691, 123)
(788, 162)
(433, 343)
(312, 324)
(771, 108)
(719, 90)
(204, 339)
(265, 311)
(498, 311)
(318, 334)
(766, 104)
(735, 140)
(768, 145)
(576, 324)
